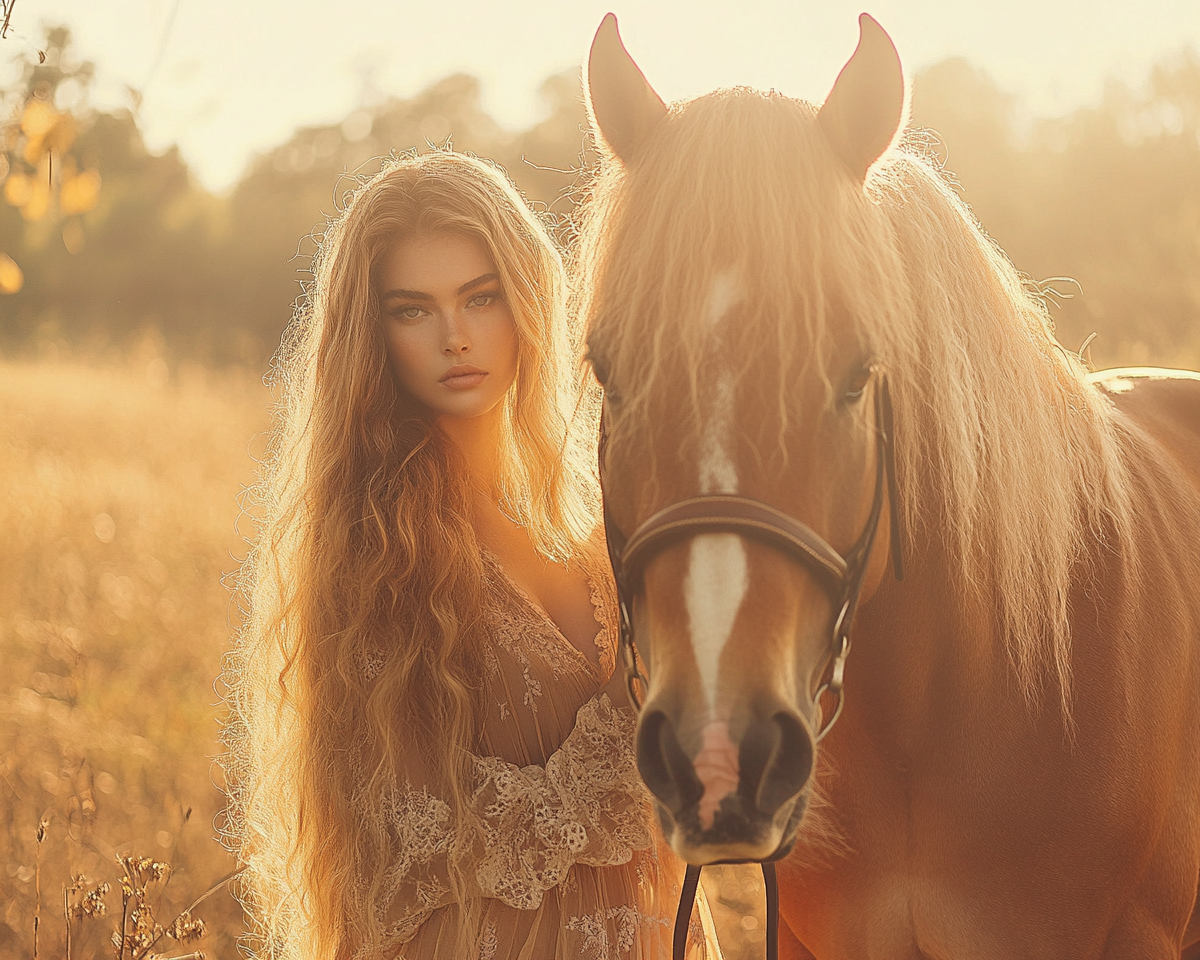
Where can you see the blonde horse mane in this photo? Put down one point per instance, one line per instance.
(1005, 453)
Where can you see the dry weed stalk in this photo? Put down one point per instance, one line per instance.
(37, 872)
(83, 900)
(139, 932)
(110, 642)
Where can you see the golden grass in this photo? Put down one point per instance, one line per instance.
(118, 521)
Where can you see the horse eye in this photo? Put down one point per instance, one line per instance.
(599, 367)
(858, 386)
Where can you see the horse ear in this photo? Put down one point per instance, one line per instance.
(864, 109)
(624, 107)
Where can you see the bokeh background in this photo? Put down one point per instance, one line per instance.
(143, 289)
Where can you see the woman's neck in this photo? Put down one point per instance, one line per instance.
(478, 442)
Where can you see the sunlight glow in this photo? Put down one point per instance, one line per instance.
(230, 80)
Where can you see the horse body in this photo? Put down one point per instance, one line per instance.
(1016, 771)
(975, 828)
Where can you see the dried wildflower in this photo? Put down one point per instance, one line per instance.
(87, 898)
(140, 871)
(138, 932)
(146, 930)
(185, 928)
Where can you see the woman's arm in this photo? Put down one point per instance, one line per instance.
(586, 805)
(524, 827)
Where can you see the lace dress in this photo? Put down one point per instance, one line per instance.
(564, 858)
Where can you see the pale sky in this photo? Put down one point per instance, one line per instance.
(236, 77)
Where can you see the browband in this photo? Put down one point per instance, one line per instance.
(733, 514)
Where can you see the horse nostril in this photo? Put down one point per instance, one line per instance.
(776, 759)
(664, 766)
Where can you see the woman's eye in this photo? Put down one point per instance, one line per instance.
(482, 299)
(408, 313)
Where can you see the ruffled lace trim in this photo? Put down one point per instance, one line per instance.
(585, 806)
(603, 595)
(530, 824)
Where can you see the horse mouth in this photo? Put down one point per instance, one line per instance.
(738, 832)
(730, 801)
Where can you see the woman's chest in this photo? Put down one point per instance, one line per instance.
(535, 679)
(563, 595)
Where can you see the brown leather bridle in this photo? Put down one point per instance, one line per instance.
(842, 577)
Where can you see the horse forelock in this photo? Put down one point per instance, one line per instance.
(1005, 453)
(698, 232)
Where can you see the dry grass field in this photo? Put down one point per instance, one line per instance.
(119, 520)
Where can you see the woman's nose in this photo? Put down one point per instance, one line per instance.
(457, 340)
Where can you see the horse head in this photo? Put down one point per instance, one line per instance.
(745, 419)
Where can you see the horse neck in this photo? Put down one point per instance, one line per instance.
(919, 645)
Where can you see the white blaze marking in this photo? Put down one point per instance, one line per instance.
(718, 473)
(715, 585)
(725, 294)
(717, 577)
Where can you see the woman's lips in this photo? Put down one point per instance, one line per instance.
(463, 377)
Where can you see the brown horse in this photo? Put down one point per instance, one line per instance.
(1016, 772)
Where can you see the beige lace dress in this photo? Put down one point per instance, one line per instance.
(564, 859)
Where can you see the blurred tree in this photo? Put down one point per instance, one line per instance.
(217, 276)
(41, 130)
(98, 261)
(279, 209)
(102, 240)
(1108, 196)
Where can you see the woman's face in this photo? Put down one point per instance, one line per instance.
(449, 330)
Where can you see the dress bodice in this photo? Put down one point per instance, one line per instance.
(558, 840)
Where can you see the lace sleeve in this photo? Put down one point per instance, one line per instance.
(525, 826)
(417, 882)
(587, 805)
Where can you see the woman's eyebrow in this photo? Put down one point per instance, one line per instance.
(407, 295)
(402, 294)
(478, 282)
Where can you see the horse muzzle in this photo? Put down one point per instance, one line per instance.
(727, 799)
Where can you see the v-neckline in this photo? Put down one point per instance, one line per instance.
(542, 614)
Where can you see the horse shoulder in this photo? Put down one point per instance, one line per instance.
(1163, 408)
(1163, 403)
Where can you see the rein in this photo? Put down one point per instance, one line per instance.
(842, 577)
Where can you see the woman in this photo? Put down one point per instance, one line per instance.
(429, 753)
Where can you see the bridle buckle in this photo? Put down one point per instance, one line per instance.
(837, 675)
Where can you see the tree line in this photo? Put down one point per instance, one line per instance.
(102, 241)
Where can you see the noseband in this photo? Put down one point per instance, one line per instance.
(841, 576)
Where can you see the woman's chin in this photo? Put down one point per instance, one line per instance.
(465, 405)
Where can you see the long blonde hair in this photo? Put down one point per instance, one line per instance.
(366, 555)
